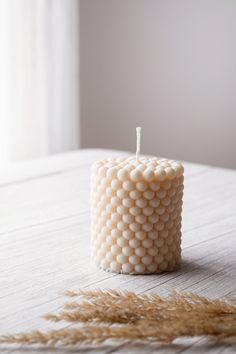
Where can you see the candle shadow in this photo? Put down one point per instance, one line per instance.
(195, 267)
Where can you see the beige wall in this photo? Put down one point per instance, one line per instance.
(169, 66)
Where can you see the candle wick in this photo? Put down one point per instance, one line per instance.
(138, 131)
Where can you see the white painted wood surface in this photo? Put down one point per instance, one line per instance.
(44, 246)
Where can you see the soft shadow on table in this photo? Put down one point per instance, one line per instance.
(190, 265)
(194, 267)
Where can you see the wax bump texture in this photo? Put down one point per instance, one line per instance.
(136, 211)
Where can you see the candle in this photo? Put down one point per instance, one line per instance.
(136, 205)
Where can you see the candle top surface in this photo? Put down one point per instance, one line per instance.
(145, 167)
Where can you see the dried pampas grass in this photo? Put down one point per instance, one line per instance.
(113, 315)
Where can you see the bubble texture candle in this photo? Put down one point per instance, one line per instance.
(136, 214)
(136, 206)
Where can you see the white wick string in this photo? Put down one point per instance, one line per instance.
(138, 131)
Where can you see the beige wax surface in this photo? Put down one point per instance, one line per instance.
(136, 210)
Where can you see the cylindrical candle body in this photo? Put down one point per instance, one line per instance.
(136, 214)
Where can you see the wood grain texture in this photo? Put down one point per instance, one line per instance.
(44, 246)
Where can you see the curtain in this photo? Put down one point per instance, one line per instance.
(39, 78)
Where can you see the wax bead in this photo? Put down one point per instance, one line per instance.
(134, 259)
(141, 186)
(140, 235)
(152, 251)
(128, 234)
(128, 218)
(147, 243)
(155, 186)
(153, 235)
(166, 184)
(164, 249)
(140, 251)
(169, 224)
(136, 175)
(115, 266)
(147, 227)
(159, 259)
(134, 227)
(111, 173)
(122, 242)
(140, 219)
(121, 209)
(141, 168)
(166, 201)
(169, 241)
(164, 163)
(148, 194)
(159, 242)
(116, 233)
(121, 193)
(110, 257)
(109, 240)
(134, 243)
(161, 193)
(140, 268)
(127, 251)
(148, 211)
(171, 192)
(147, 259)
(141, 203)
(115, 201)
(160, 173)
(128, 186)
(165, 217)
(115, 184)
(115, 249)
(127, 202)
(121, 258)
(110, 224)
(170, 208)
(159, 226)
(174, 215)
(115, 217)
(135, 211)
(102, 170)
(110, 192)
(122, 226)
(155, 202)
(127, 268)
(151, 165)
(160, 210)
(104, 200)
(153, 219)
(123, 174)
(170, 172)
(148, 174)
(164, 233)
(105, 263)
(135, 194)
(152, 267)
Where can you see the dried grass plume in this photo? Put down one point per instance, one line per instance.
(122, 316)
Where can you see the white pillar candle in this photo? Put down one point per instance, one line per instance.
(136, 205)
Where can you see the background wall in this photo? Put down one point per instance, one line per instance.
(166, 65)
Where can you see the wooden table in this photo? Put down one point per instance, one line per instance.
(44, 245)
